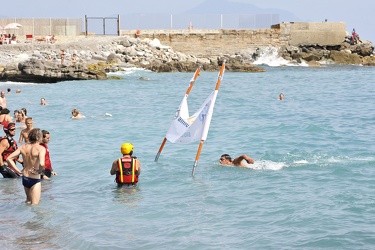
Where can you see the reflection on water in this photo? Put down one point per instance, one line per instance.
(129, 195)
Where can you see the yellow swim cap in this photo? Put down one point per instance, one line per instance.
(126, 148)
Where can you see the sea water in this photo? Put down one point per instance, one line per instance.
(312, 185)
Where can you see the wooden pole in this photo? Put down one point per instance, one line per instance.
(160, 149)
(191, 84)
(219, 78)
(197, 157)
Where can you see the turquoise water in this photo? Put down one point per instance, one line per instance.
(312, 186)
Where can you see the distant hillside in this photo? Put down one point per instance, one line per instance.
(226, 7)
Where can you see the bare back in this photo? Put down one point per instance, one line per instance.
(33, 156)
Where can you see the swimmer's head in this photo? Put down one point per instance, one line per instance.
(127, 148)
(224, 158)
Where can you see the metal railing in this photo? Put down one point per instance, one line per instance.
(198, 21)
(44, 26)
(74, 26)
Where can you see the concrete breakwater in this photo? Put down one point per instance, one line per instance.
(95, 56)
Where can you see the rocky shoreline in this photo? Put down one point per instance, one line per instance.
(96, 56)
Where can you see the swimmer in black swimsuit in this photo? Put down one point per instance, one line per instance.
(33, 156)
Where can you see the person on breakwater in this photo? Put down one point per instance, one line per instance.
(62, 56)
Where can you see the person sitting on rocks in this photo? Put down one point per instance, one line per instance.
(74, 58)
(62, 56)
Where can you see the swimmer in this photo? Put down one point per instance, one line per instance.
(225, 159)
(76, 114)
(43, 101)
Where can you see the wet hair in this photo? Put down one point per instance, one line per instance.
(28, 119)
(45, 132)
(24, 111)
(35, 135)
(226, 156)
(4, 111)
(75, 111)
(21, 113)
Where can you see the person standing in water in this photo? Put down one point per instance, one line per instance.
(33, 156)
(25, 132)
(127, 168)
(48, 171)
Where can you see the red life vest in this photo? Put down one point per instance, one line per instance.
(126, 171)
(12, 147)
(47, 161)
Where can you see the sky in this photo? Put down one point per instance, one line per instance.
(358, 15)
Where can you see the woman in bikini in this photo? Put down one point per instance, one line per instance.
(5, 118)
(33, 156)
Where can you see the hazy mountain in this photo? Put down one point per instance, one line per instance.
(226, 7)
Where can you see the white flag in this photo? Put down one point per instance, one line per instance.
(184, 129)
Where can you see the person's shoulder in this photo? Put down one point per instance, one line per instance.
(4, 142)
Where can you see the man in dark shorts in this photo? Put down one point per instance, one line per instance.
(33, 156)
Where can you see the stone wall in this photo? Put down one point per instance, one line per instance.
(216, 42)
(322, 33)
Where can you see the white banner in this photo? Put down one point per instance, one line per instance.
(184, 129)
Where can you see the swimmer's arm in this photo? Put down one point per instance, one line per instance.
(3, 147)
(248, 159)
(21, 137)
(42, 157)
(238, 160)
(11, 157)
(138, 166)
(113, 168)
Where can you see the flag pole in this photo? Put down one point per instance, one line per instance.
(197, 157)
(191, 84)
(160, 149)
(219, 78)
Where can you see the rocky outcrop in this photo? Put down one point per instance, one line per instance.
(97, 56)
(344, 53)
(47, 72)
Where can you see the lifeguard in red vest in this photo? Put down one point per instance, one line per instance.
(127, 168)
(7, 146)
